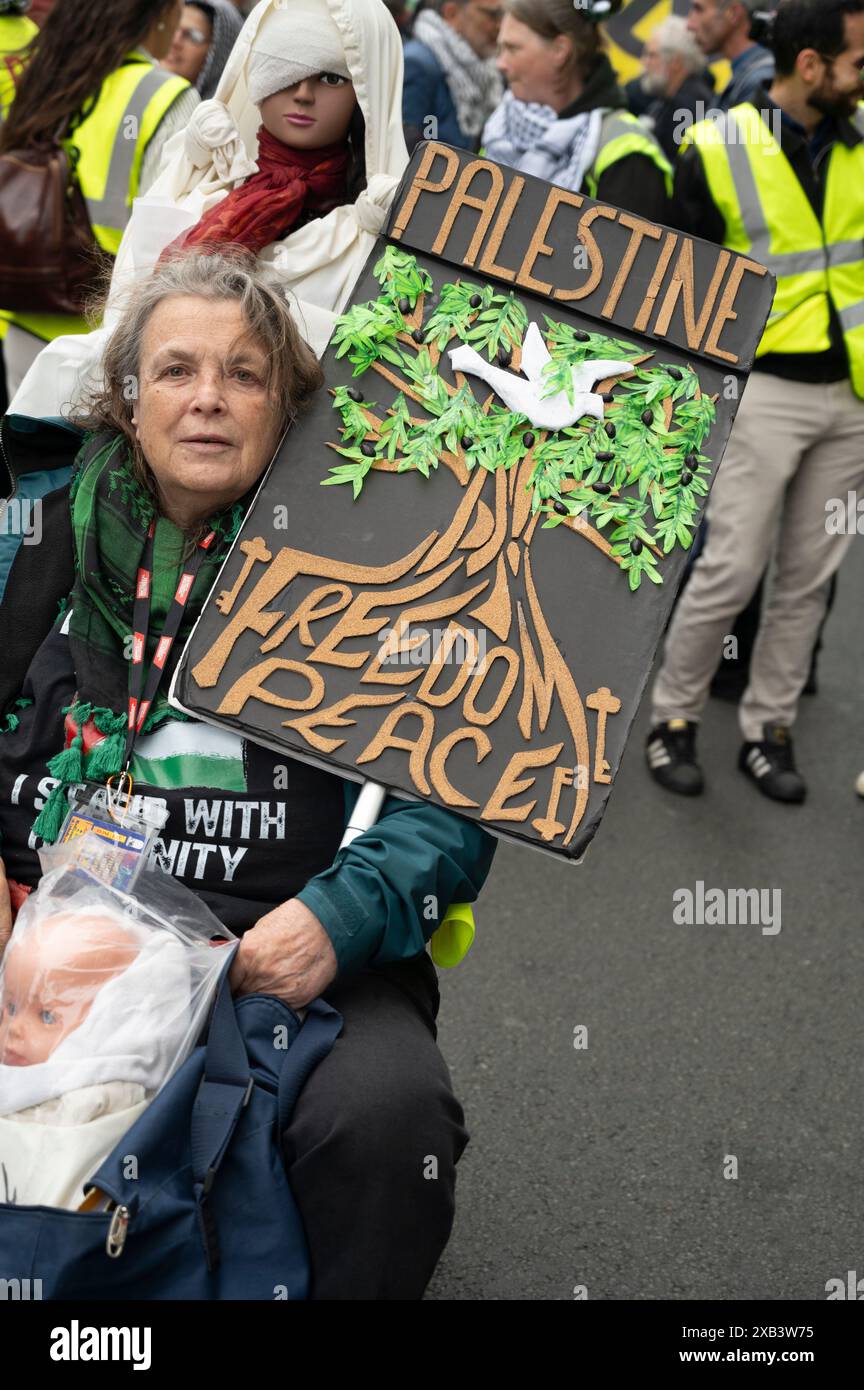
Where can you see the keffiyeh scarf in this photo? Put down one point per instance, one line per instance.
(474, 83)
(111, 514)
(530, 137)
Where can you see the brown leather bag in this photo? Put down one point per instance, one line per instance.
(49, 257)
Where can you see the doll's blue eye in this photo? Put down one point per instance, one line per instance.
(48, 1017)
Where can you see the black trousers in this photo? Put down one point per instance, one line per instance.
(373, 1143)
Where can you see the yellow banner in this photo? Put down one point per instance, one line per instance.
(627, 31)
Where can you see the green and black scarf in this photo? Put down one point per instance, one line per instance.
(111, 514)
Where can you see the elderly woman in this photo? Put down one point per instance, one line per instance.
(202, 375)
(564, 116)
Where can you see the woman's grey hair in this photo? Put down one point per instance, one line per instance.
(293, 371)
(674, 40)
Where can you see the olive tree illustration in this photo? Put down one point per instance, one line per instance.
(630, 484)
(638, 474)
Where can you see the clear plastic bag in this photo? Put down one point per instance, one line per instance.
(103, 995)
(98, 985)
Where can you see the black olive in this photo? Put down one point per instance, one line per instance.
(466, 441)
(404, 305)
(676, 373)
(603, 488)
(368, 448)
(607, 396)
(692, 460)
(635, 546)
(505, 356)
(604, 457)
(686, 478)
(354, 394)
(560, 508)
(475, 301)
(647, 417)
(528, 439)
(417, 335)
(610, 430)
(581, 336)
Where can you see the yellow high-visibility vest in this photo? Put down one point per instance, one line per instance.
(111, 141)
(16, 31)
(769, 217)
(620, 136)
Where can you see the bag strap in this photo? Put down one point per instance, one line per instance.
(226, 1086)
(222, 1094)
(320, 1030)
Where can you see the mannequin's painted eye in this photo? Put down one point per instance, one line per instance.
(332, 79)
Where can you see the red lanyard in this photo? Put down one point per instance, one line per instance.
(140, 703)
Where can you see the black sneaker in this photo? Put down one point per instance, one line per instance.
(771, 765)
(671, 755)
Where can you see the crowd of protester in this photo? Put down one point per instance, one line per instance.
(274, 138)
(530, 84)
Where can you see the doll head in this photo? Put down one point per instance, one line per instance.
(310, 114)
(299, 78)
(51, 975)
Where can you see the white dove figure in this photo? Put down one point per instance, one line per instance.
(554, 412)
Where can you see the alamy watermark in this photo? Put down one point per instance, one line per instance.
(20, 1290)
(22, 516)
(444, 646)
(77, 1343)
(770, 127)
(845, 517)
(720, 907)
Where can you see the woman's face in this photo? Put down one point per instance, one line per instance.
(190, 45)
(205, 419)
(312, 113)
(530, 63)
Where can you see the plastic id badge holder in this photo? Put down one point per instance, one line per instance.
(111, 833)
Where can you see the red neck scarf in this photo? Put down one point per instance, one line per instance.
(268, 205)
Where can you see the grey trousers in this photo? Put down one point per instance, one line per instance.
(793, 448)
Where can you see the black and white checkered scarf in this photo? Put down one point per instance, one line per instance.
(530, 137)
(474, 83)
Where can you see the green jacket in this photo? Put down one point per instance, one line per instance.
(387, 893)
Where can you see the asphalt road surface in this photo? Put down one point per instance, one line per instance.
(609, 1166)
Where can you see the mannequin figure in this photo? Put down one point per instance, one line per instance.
(308, 109)
(94, 1014)
(51, 977)
(331, 230)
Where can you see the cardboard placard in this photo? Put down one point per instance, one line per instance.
(455, 576)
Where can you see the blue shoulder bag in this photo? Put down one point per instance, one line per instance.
(203, 1205)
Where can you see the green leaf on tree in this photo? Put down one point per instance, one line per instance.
(453, 314)
(501, 324)
(400, 277)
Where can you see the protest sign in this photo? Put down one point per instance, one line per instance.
(455, 576)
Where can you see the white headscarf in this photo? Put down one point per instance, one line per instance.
(318, 263)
